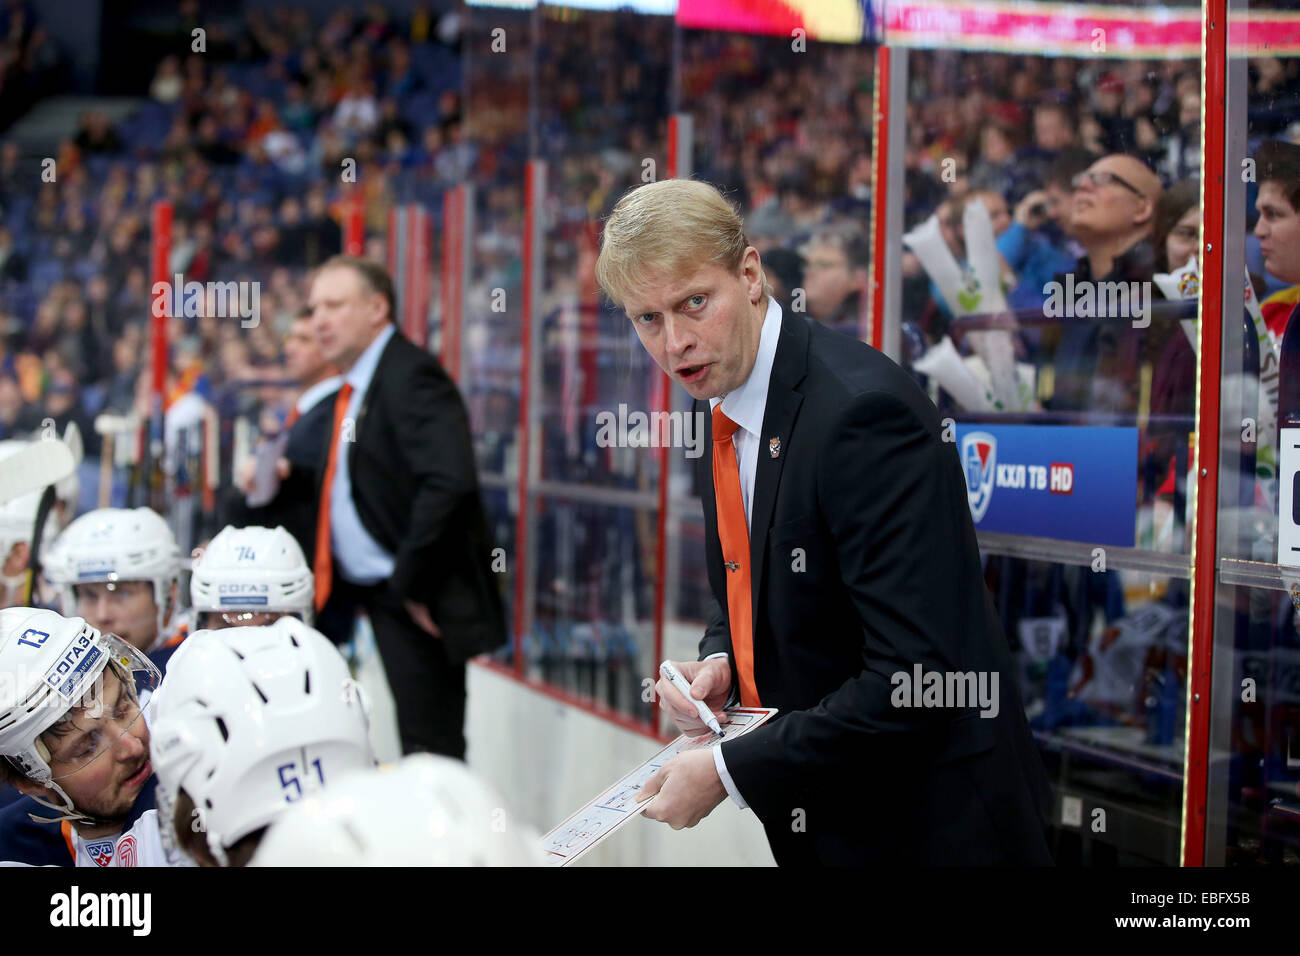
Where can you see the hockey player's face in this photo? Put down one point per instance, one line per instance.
(703, 328)
(124, 608)
(1278, 230)
(99, 755)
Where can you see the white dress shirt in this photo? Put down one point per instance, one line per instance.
(312, 395)
(745, 406)
(358, 557)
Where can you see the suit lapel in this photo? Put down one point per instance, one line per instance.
(783, 401)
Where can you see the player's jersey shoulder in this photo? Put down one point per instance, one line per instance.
(182, 627)
(23, 840)
(163, 656)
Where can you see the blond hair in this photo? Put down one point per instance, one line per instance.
(666, 227)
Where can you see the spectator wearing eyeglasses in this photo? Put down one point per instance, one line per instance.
(1111, 215)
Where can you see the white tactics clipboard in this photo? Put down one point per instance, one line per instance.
(616, 805)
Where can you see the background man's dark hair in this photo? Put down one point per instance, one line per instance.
(847, 240)
(1279, 162)
(374, 275)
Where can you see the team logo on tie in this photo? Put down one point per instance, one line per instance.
(979, 452)
(101, 852)
(774, 447)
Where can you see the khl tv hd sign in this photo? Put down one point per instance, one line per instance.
(1051, 481)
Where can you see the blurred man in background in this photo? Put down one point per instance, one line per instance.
(835, 275)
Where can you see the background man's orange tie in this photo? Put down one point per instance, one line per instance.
(324, 564)
(733, 530)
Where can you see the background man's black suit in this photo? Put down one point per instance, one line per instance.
(298, 497)
(416, 492)
(875, 501)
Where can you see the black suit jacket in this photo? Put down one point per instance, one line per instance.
(865, 563)
(416, 491)
(297, 500)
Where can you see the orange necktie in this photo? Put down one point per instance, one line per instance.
(733, 530)
(324, 564)
(291, 418)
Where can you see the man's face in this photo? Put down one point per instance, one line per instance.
(99, 754)
(124, 608)
(302, 353)
(1111, 209)
(703, 328)
(346, 315)
(1278, 230)
(827, 279)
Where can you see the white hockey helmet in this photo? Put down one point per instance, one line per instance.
(18, 517)
(250, 570)
(115, 544)
(249, 720)
(423, 811)
(49, 665)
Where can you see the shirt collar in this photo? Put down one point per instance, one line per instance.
(314, 393)
(363, 370)
(745, 405)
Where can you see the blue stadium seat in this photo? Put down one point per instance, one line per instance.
(93, 398)
(85, 269)
(44, 273)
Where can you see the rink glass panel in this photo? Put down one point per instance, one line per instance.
(1100, 662)
(496, 97)
(793, 172)
(1253, 798)
(1098, 629)
(496, 117)
(593, 618)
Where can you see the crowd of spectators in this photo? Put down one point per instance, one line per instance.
(30, 64)
(252, 138)
(260, 142)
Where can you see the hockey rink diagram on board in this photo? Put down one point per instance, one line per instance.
(616, 805)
